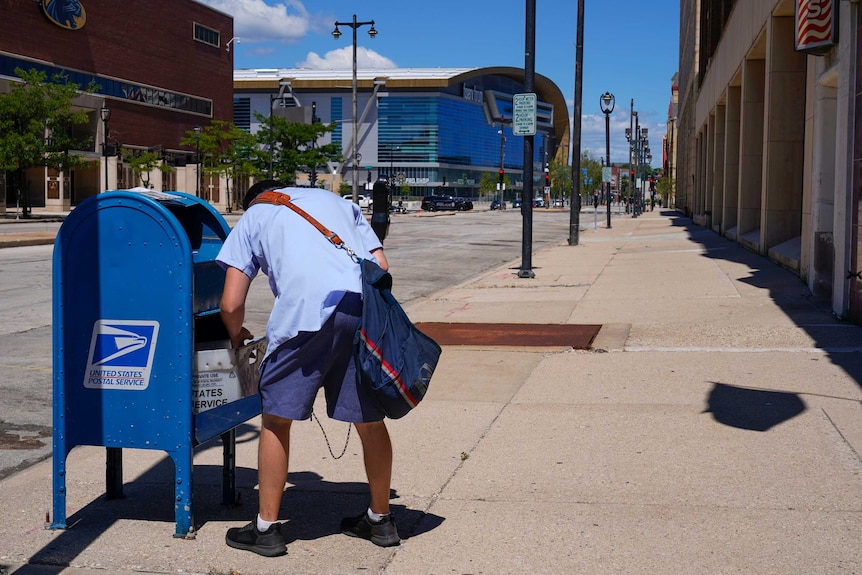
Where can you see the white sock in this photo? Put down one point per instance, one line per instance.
(376, 517)
(263, 525)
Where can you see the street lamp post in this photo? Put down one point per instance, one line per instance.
(312, 176)
(105, 114)
(647, 159)
(354, 25)
(197, 130)
(607, 102)
(390, 176)
(282, 86)
(639, 153)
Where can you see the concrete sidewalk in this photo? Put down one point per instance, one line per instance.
(715, 427)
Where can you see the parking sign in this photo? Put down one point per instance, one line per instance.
(524, 114)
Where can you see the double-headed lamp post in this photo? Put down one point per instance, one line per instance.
(105, 114)
(337, 34)
(607, 102)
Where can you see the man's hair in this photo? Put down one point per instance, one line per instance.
(259, 188)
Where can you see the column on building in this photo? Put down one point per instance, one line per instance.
(751, 152)
(784, 132)
(730, 216)
(709, 170)
(698, 178)
(718, 199)
(819, 190)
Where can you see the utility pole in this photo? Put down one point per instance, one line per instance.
(575, 200)
(526, 270)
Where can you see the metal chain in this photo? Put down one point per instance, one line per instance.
(349, 251)
(328, 446)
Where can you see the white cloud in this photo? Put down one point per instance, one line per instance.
(287, 22)
(256, 21)
(342, 59)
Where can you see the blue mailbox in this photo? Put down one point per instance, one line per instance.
(136, 287)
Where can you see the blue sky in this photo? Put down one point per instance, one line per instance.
(631, 47)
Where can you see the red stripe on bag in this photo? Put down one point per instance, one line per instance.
(390, 371)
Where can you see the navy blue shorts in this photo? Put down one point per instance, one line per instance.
(293, 374)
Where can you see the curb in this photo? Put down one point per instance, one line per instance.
(22, 240)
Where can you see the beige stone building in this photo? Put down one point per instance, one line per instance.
(670, 141)
(769, 142)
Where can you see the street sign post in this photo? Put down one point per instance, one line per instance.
(524, 114)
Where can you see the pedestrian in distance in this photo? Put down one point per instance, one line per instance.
(309, 333)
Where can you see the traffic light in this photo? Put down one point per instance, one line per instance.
(501, 175)
(547, 180)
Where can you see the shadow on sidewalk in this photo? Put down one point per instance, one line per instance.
(840, 340)
(312, 508)
(752, 409)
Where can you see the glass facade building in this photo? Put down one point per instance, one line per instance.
(433, 131)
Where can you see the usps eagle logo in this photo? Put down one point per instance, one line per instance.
(67, 14)
(121, 354)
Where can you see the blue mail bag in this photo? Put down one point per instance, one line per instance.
(393, 358)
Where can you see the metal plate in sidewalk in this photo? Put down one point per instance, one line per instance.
(511, 334)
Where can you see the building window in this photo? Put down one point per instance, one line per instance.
(410, 123)
(242, 113)
(206, 35)
(335, 111)
(111, 87)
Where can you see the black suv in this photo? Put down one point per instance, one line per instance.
(435, 203)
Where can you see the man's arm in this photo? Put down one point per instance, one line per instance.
(236, 285)
(381, 259)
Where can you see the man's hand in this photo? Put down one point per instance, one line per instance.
(239, 340)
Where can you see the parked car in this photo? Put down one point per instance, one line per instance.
(436, 203)
(365, 202)
(516, 203)
(538, 202)
(495, 205)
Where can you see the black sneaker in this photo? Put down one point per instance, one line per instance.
(268, 543)
(384, 534)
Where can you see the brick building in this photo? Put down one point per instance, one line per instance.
(161, 68)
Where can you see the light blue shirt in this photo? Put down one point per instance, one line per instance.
(308, 275)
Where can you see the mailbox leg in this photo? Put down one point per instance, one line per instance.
(114, 473)
(59, 519)
(183, 494)
(228, 493)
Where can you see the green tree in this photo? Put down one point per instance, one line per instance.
(561, 178)
(594, 173)
(226, 151)
(292, 147)
(488, 183)
(38, 128)
(143, 163)
(665, 188)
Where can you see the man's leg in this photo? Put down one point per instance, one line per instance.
(377, 453)
(272, 455)
(272, 458)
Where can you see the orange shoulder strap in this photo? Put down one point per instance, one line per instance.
(276, 197)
